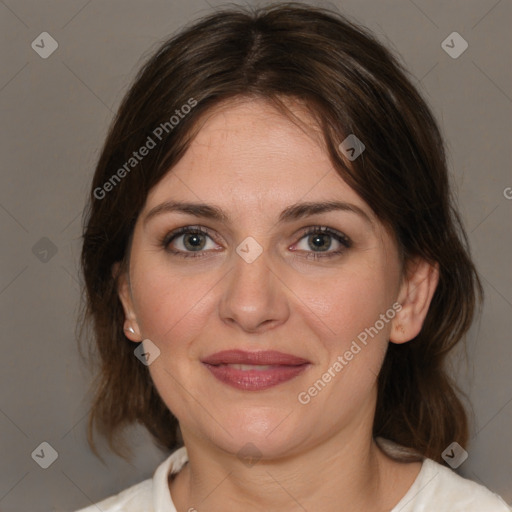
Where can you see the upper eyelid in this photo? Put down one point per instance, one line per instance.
(175, 233)
(308, 230)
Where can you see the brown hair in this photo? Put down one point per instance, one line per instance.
(352, 85)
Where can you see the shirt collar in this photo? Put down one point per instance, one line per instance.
(162, 501)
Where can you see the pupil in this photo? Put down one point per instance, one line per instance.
(318, 237)
(196, 241)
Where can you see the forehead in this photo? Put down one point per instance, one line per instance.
(249, 156)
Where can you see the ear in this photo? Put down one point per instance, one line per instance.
(125, 296)
(416, 291)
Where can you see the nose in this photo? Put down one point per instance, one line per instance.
(254, 298)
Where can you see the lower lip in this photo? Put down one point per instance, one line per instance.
(255, 380)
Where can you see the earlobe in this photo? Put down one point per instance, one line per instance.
(131, 328)
(415, 295)
(131, 333)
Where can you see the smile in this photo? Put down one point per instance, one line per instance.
(254, 371)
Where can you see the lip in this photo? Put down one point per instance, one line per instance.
(232, 368)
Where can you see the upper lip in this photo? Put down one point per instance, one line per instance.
(262, 357)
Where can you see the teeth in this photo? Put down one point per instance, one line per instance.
(245, 367)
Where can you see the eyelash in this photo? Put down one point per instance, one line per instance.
(313, 230)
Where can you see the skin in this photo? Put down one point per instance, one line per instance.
(253, 162)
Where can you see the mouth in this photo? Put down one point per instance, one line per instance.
(254, 371)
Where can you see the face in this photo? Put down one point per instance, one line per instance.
(288, 291)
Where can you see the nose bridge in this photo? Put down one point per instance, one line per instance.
(252, 296)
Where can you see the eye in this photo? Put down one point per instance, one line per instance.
(318, 240)
(187, 241)
(192, 242)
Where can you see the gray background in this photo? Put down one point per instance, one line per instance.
(55, 114)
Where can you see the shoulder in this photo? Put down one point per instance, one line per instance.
(136, 498)
(147, 496)
(439, 488)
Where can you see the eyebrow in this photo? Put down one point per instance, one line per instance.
(289, 214)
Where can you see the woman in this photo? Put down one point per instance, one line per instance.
(271, 217)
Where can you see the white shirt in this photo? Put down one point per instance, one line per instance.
(436, 489)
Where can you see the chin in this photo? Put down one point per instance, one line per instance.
(261, 432)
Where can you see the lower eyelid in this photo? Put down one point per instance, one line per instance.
(341, 238)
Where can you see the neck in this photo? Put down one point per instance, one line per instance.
(336, 475)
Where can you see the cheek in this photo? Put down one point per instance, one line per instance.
(345, 314)
(339, 308)
(354, 312)
(172, 311)
(170, 306)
